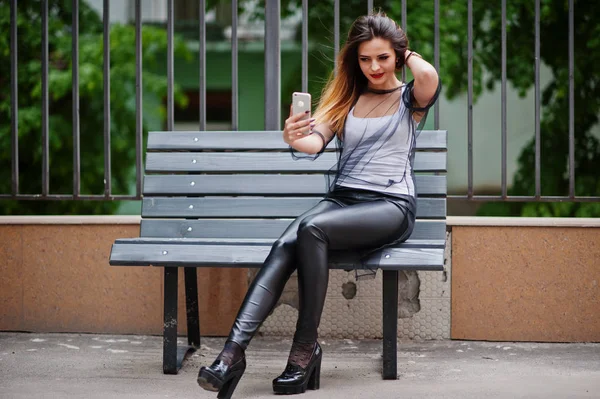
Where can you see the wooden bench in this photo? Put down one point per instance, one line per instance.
(220, 199)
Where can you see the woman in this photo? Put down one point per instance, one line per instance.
(371, 201)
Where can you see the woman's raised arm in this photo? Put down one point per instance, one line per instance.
(426, 78)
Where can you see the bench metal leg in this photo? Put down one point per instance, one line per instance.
(191, 304)
(173, 356)
(170, 322)
(390, 324)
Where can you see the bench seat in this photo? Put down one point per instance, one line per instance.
(197, 252)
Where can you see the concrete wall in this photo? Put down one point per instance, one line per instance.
(536, 280)
(56, 277)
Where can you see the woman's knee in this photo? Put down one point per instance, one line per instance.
(281, 259)
(285, 244)
(310, 228)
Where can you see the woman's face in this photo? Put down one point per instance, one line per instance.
(377, 60)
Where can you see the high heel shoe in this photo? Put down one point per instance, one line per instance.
(225, 372)
(296, 379)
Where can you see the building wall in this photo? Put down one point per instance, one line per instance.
(536, 282)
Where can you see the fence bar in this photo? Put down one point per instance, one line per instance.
(305, 46)
(470, 96)
(139, 121)
(336, 32)
(45, 109)
(403, 22)
(107, 169)
(75, 87)
(234, 65)
(503, 101)
(202, 66)
(404, 15)
(170, 107)
(14, 99)
(66, 197)
(538, 188)
(482, 198)
(436, 57)
(369, 6)
(272, 65)
(571, 102)
(531, 198)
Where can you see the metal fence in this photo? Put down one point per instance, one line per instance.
(272, 93)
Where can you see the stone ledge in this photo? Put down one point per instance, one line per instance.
(521, 221)
(76, 219)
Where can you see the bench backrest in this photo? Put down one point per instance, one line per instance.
(246, 185)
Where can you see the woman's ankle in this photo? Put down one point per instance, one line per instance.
(301, 353)
(234, 346)
(231, 353)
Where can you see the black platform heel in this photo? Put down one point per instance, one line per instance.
(224, 374)
(296, 379)
(314, 382)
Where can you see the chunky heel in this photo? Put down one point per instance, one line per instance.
(296, 379)
(227, 390)
(314, 381)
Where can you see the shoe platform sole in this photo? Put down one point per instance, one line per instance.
(288, 390)
(209, 382)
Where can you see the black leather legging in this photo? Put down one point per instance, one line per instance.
(304, 245)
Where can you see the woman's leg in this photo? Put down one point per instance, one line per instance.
(360, 226)
(265, 290)
(227, 369)
(364, 225)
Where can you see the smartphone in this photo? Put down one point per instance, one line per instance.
(301, 102)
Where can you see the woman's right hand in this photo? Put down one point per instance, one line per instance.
(295, 128)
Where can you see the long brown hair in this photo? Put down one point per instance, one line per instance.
(345, 86)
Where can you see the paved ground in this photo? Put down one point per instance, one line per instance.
(103, 366)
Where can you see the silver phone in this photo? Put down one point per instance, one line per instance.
(301, 102)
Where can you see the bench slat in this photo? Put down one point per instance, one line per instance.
(411, 243)
(254, 228)
(135, 254)
(253, 207)
(206, 162)
(254, 184)
(255, 140)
